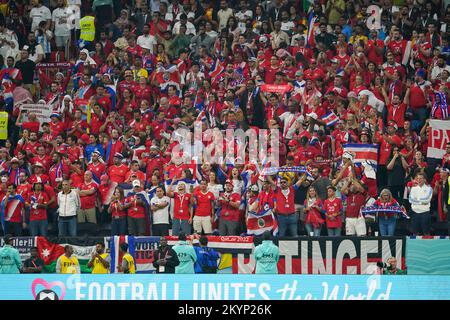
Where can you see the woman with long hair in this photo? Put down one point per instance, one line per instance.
(313, 208)
(387, 220)
(118, 213)
(127, 104)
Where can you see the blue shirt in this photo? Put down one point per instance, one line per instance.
(205, 257)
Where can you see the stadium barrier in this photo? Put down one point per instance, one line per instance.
(226, 287)
(302, 255)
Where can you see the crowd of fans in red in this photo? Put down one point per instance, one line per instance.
(105, 157)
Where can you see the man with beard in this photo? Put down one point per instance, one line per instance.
(146, 40)
(58, 171)
(96, 165)
(118, 170)
(114, 146)
(229, 203)
(165, 258)
(39, 174)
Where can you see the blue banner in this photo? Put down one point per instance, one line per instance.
(225, 287)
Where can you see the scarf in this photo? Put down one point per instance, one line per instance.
(442, 105)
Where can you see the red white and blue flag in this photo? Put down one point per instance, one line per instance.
(258, 223)
(330, 118)
(361, 152)
(216, 70)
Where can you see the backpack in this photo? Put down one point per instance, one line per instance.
(207, 264)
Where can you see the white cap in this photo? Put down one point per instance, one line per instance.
(136, 183)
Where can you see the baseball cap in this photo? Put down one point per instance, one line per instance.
(393, 124)
(14, 160)
(38, 164)
(292, 143)
(255, 188)
(136, 183)
(118, 155)
(421, 72)
(229, 181)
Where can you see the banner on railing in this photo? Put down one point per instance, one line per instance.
(224, 288)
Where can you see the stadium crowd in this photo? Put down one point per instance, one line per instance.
(123, 77)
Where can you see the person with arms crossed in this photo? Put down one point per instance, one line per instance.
(34, 264)
(420, 199)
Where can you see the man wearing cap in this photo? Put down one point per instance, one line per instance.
(88, 196)
(39, 175)
(136, 206)
(386, 141)
(14, 171)
(118, 170)
(56, 125)
(229, 203)
(96, 165)
(58, 171)
(42, 157)
(10, 262)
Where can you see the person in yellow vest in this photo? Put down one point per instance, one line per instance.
(87, 29)
(127, 265)
(67, 263)
(100, 260)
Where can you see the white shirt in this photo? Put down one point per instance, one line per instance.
(61, 18)
(146, 41)
(190, 28)
(39, 14)
(420, 198)
(68, 203)
(223, 16)
(160, 216)
(438, 70)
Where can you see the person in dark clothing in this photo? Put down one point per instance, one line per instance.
(165, 259)
(396, 172)
(26, 67)
(206, 257)
(34, 264)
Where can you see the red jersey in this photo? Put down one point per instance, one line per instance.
(38, 178)
(117, 173)
(397, 48)
(354, 203)
(228, 212)
(115, 211)
(24, 189)
(38, 198)
(397, 113)
(14, 209)
(285, 201)
(98, 169)
(106, 191)
(136, 210)
(88, 202)
(385, 148)
(204, 203)
(58, 171)
(75, 153)
(181, 206)
(57, 128)
(45, 160)
(333, 209)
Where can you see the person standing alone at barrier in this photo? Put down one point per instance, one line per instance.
(420, 199)
(206, 257)
(267, 255)
(186, 255)
(9, 257)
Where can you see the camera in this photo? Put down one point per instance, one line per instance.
(383, 265)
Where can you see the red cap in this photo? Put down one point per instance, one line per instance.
(392, 123)
(85, 138)
(229, 181)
